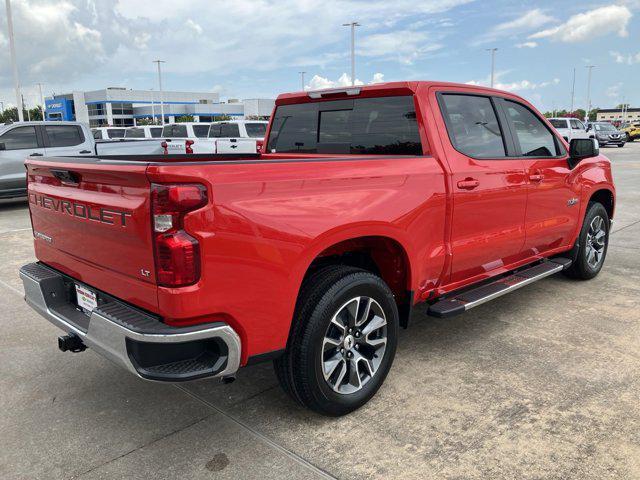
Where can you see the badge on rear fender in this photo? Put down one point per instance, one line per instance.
(571, 202)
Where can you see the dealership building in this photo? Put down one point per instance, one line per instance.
(617, 115)
(116, 106)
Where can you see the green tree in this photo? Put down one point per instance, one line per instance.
(9, 115)
(184, 118)
(144, 121)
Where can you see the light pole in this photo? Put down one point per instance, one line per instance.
(14, 64)
(302, 79)
(573, 89)
(493, 63)
(153, 108)
(160, 88)
(353, 26)
(41, 100)
(590, 67)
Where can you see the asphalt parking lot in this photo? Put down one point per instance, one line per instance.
(542, 383)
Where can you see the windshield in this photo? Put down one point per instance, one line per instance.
(134, 133)
(605, 127)
(558, 123)
(256, 130)
(115, 133)
(377, 126)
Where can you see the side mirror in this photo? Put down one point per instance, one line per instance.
(581, 148)
(2, 146)
(588, 127)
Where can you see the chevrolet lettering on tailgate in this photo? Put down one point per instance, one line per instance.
(109, 216)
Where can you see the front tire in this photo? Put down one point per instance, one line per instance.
(343, 340)
(593, 243)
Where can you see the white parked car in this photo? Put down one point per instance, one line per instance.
(233, 136)
(143, 131)
(570, 128)
(108, 133)
(19, 141)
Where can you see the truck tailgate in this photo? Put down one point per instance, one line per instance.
(91, 220)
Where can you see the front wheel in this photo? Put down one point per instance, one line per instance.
(620, 145)
(593, 242)
(343, 340)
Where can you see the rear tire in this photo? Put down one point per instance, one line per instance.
(343, 340)
(593, 243)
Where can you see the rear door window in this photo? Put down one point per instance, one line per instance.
(201, 131)
(370, 126)
(20, 138)
(473, 126)
(577, 125)
(64, 135)
(530, 132)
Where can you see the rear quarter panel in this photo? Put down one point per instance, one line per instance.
(269, 220)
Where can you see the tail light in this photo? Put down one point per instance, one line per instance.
(165, 147)
(188, 146)
(259, 145)
(177, 254)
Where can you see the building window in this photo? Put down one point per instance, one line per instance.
(101, 122)
(96, 109)
(122, 108)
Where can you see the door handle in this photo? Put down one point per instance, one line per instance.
(468, 184)
(36, 155)
(85, 151)
(536, 177)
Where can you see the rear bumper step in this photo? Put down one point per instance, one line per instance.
(461, 302)
(132, 338)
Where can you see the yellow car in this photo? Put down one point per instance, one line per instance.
(632, 131)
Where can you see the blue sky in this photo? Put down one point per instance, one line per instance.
(255, 48)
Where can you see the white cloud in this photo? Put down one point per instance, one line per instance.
(526, 45)
(518, 86)
(530, 20)
(318, 82)
(527, 22)
(628, 59)
(594, 23)
(378, 78)
(405, 46)
(193, 26)
(613, 91)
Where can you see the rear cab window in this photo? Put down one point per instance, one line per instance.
(557, 123)
(156, 132)
(134, 133)
(115, 133)
(256, 130)
(369, 126)
(174, 131)
(201, 131)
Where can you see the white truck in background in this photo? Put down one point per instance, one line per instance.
(233, 136)
(108, 133)
(570, 128)
(22, 140)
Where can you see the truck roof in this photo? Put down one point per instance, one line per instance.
(373, 90)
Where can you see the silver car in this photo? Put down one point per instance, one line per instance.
(36, 139)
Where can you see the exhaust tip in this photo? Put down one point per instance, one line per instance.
(71, 343)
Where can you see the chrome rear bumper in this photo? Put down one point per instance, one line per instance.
(130, 337)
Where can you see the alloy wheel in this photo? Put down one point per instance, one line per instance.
(596, 238)
(354, 345)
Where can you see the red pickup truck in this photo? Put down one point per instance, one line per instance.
(365, 202)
